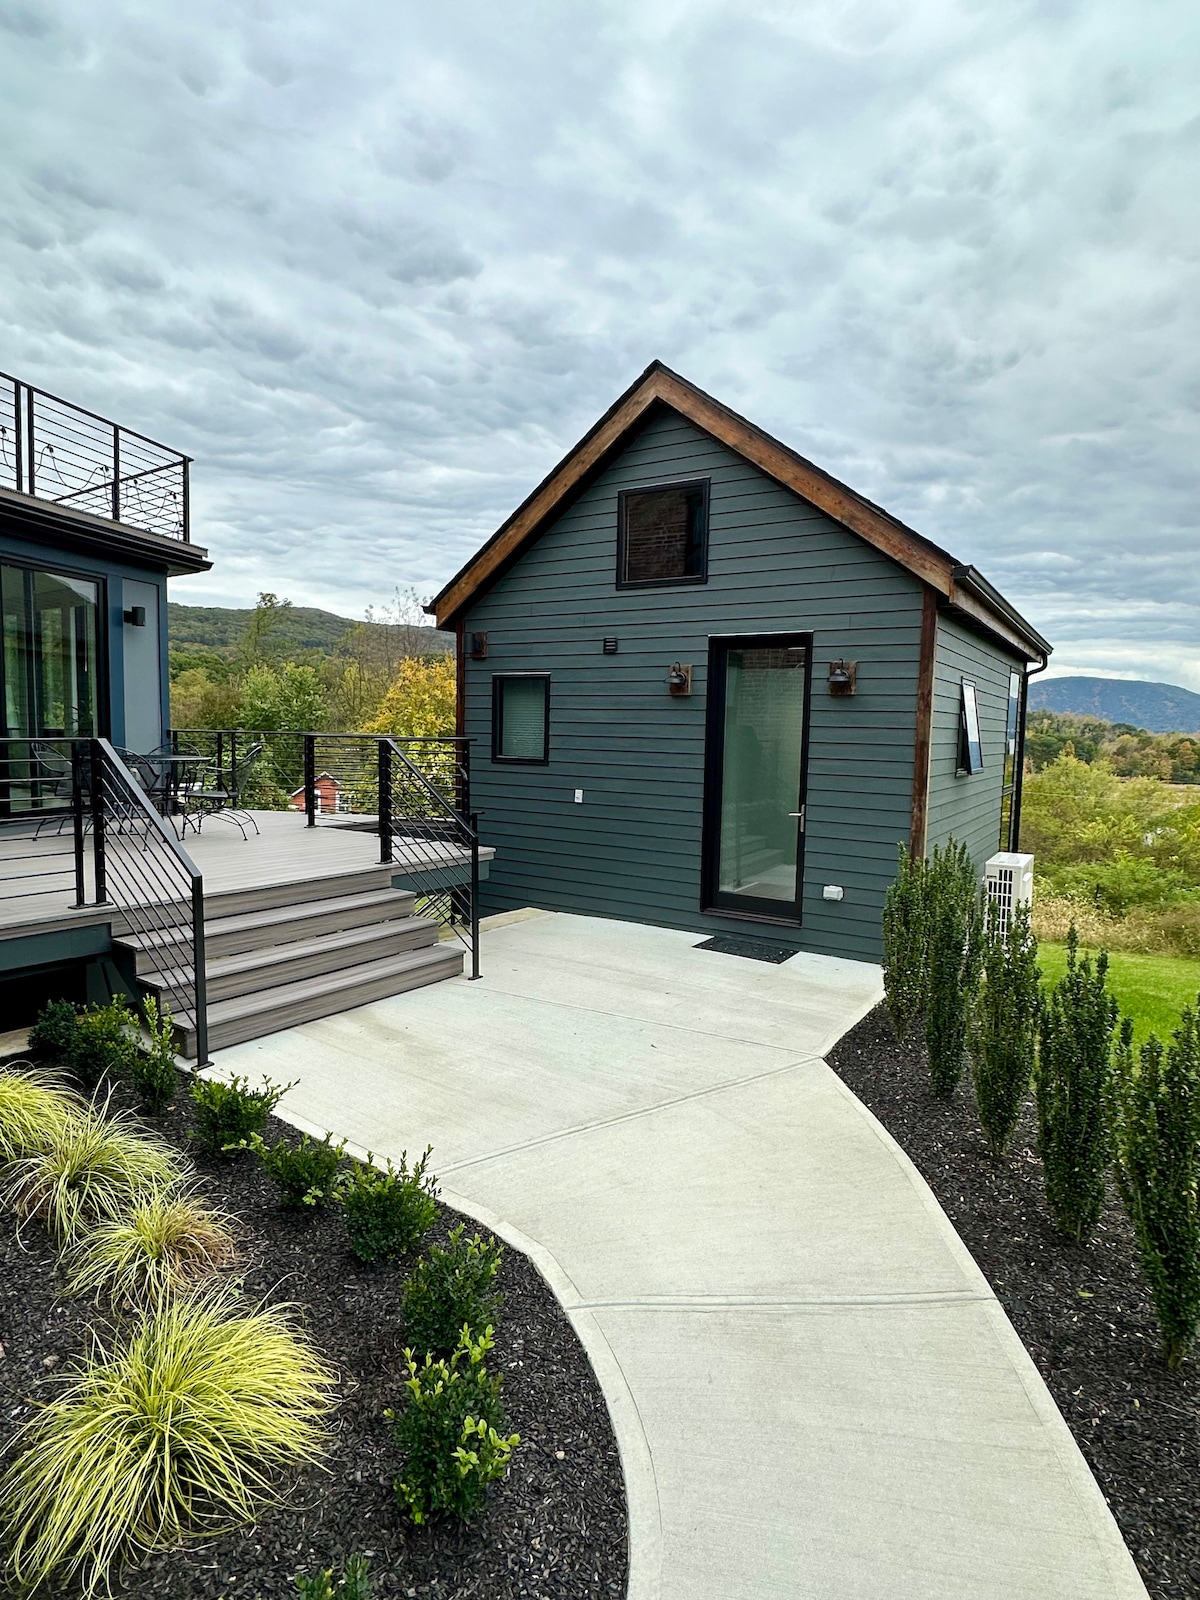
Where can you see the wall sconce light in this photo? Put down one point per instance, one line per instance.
(135, 616)
(477, 646)
(843, 677)
(679, 678)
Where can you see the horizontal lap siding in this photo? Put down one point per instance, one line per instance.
(967, 808)
(632, 849)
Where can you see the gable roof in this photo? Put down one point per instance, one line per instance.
(961, 587)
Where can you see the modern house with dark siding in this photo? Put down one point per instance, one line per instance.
(712, 688)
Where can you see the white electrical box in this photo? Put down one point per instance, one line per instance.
(1008, 878)
(579, 797)
(833, 891)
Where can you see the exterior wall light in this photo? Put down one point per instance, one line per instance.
(843, 677)
(135, 616)
(679, 678)
(477, 646)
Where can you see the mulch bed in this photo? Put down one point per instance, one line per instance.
(554, 1529)
(1084, 1314)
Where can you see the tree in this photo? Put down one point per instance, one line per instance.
(255, 643)
(1154, 1112)
(1071, 1080)
(420, 702)
(291, 699)
(1003, 1031)
(952, 964)
(905, 942)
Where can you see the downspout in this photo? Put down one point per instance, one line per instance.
(1019, 764)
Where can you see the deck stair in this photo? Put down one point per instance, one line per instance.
(290, 952)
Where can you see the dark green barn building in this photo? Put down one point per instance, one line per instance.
(713, 688)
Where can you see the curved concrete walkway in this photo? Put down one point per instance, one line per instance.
(816, 1395)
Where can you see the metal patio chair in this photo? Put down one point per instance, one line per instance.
(221, 793)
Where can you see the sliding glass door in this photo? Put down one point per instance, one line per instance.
(49, 683)
(754, 799)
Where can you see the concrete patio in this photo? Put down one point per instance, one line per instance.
(816, 1395)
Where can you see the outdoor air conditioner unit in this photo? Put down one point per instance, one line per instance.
(1008, 878)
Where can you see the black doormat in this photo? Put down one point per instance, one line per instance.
(727, 944)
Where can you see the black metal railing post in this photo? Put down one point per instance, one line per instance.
(116, 489)
(31, 474)
(384, 749)
(310, 779)
(186, 508)
(199, 973)
(474, 907)
(19, 442)
(78, 826)
(99, 866)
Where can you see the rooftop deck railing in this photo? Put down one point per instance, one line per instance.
(62, 453)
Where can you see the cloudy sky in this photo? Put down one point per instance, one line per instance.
(376, 266)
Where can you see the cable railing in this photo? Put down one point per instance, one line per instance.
(77, 832)
(141, 870)
(60, 452)
(435, 845)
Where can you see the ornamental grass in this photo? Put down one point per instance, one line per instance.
(179, 1432)
(34, 1110)
(169, 1240)
(94, 1166)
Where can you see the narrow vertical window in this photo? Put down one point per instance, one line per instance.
(521, 717)
(970, 745)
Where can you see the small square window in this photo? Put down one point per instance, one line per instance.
(521, 717)
(970, 745)
(662, 535)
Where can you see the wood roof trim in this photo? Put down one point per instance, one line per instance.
(933, 566)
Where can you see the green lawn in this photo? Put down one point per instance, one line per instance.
(1153, 990)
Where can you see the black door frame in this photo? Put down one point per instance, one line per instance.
(712, 900)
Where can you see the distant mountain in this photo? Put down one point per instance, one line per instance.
(294, 630)
(1157, 707)
(221, 627)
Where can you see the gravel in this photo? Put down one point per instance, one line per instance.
(554, 1529)
(1084, 1314)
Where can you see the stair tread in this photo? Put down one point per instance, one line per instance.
(277, 955)
(296, 911)
(278, 998)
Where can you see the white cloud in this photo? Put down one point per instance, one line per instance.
(377, 267)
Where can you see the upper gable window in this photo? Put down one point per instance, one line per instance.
(663, 535)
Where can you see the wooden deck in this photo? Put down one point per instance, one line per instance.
(37, 875)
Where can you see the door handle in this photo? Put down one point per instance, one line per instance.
(799, 814)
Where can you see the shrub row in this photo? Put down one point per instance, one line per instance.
(975, 987)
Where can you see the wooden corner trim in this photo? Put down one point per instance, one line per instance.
(460, 678)
(926, 666)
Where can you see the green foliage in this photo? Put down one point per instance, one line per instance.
(1122, 884)
(1071, 1079)
(451, 1289)
(905, 942)
(34, 1111)
(303, 1172)
(1131, 752)
(172, 1435)
(387, 1212)
(952, 964)
(288, 699)
(229, 1112)
(1154, 1114)
(91, 1169)
(104, 1044)
(450, 1432)
(1004, 1025)
(164, 1241)
(152, 1068)
(53, 1035)
(354, 1584)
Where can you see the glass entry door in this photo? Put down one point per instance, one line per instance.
(754, 800)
